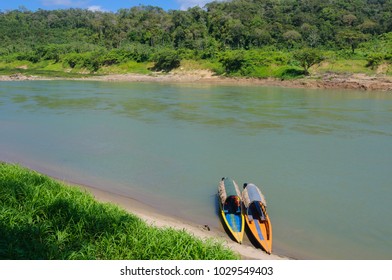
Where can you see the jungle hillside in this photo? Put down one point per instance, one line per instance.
(242, 38)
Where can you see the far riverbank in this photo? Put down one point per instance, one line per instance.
(325, 81)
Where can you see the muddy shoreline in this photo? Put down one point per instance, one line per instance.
(325, 81)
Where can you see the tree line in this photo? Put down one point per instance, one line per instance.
(142, 33)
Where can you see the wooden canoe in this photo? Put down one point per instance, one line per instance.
(256, 216)
(231, 208)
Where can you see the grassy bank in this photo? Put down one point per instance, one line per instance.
(41, 218)
(251, 68)
(47, 69)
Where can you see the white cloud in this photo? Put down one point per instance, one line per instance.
(185, 4)
(96, 9)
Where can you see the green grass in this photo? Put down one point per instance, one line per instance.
(127, 67)
(340, 66)
(42, 69)
(44, 73)
(57, 70)
(272, 65)
(41, 218)
(190, 65)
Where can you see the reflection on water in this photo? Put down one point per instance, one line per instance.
(322, 157)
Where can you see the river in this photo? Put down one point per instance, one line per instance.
(323, 158)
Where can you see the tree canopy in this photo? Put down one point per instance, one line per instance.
(230, 24)
(138, 33)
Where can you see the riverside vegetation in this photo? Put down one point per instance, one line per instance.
(245, 38)
(41, 218)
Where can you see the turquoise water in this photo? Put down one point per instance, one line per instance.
(322, 158)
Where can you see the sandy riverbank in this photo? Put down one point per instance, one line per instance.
(325, 81)
(151, 216)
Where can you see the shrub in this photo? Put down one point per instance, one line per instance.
(186, 53)
(307, 58)
(52, 51)
(134, 52)
(166, 60)
(112, 57)
(289, 72)
(233, 61)
(374, 60)
(90, 60)
(71, 60)
(291, 37)
(388, 57)
(29, 56)
(4, 51)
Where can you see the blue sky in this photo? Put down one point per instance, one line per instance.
(103, 5)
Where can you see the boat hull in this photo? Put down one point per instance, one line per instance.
(234, 223)
(256, 216)
(261, 231)
(230, 205)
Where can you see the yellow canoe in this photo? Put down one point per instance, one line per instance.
(231, 208)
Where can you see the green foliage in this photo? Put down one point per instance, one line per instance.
(42, 219)
(236, 24)
(307, 58)
(388, 57)
(91, 61)
(374, 60)
(28, 56)
(352, 38)
(50, 70)
(131, 52)
(257, 64)
(232, 61)
(52, 51)
(166, 60)
(291, 38)
(83, 39)
(127, 67)
(288, 72)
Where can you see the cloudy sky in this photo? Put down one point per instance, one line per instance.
(103, 5)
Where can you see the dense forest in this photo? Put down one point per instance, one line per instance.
(243, 36)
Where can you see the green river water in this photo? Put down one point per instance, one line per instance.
(322, 158)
